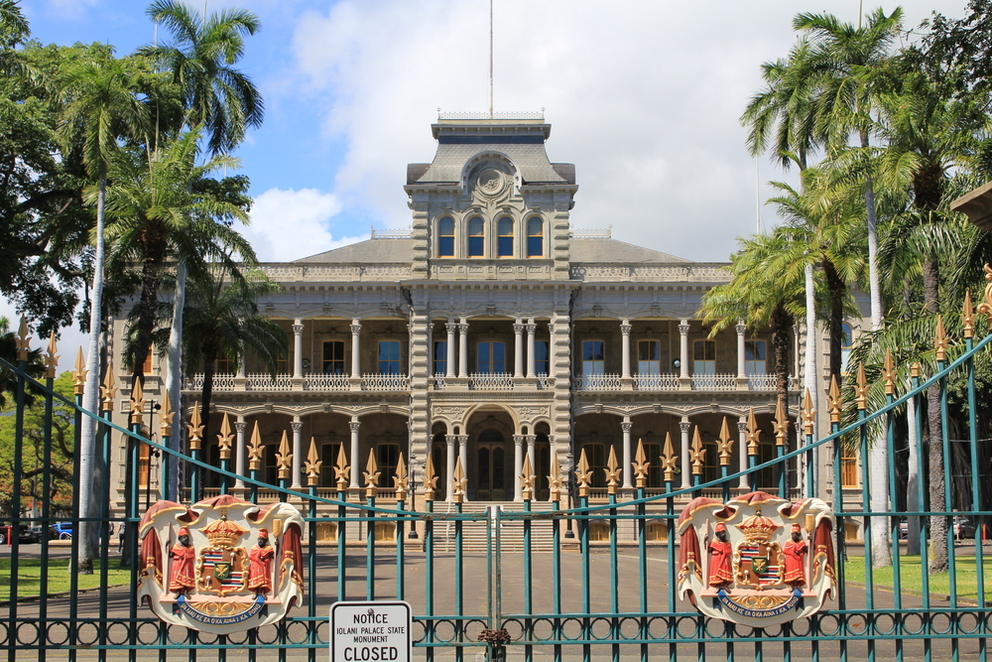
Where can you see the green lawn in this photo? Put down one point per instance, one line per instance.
(29, 577)
(911, 580)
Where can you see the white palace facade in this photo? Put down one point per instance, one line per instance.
(492, 331)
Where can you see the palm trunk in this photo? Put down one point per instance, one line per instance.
(935, 450)
(90, 469)
(173, 379)
(809, 369)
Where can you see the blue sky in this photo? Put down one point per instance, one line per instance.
(643, 97)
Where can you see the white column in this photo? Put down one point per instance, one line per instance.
(239, 459)
(297, 452)
(241, 362)
(463, 456)
(531, 451)
(356, 347)
(628, 457)
(625, 359)
(463, 348)
(531, 328)
(686, 466)
(450, 371)
(742, 445)
(355, 460)
(298, 349)
(518, 349)
(684, 349)
(450, 439)
(741, 368)
(518, 465)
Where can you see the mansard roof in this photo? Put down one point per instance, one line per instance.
(370, 251)
(607, 250)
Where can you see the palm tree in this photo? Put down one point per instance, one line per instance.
(222, 322)
(164, 207)
(102, 109)
(215, 96)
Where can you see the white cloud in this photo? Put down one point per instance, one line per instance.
(288, 225)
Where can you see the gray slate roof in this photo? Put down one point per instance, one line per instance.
(612, 251)
(531, 161)
(370, 251)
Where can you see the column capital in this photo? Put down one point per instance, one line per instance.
(518, 327)
(518, 439)
(741, 328)
(298, 328)
(626, 426)
(297, 426)
(240, 426)
(685, 427)
(356, 328)
(355, 425)
(684, 328)
(625, 328)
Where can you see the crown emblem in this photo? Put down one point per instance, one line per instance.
(758, 528)
(224, 533)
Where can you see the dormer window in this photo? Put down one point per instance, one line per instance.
(476, 237)
(505, 241)
(535, 237)
(446, 237)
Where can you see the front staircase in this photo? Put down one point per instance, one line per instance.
(475, 533)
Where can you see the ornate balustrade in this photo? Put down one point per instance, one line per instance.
(490, 381)
(714, 382)
(656, 382)
(377, 382)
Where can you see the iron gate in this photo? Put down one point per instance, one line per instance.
(593, 580)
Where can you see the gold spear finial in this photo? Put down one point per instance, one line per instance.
(555, 479)
(195, 427)
(669, 459)
(342, 470)
(809, 414)
(725, 444)
(780, 424)
(985, 307)
(23, 342)
(400, 479)
(51, 358)
(255, 448)
(968, 316)
(612, 472)
(430, 478)
(137, 401)
(583, 475)
(753, 433)
(165, 417)
(225, 437)
(79, 374)
(697, 453)
(914, 370)
(940, 341)
(371, 474)
(284, 458)
(861, 388)
(889, 373)
(109, 390)
(527, 479)
(458, 482)
(833, 400)
(640, 464)
(312, 464)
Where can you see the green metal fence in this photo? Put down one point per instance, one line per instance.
(604, 587)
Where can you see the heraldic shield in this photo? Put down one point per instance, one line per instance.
(757, 560)
(222, 565)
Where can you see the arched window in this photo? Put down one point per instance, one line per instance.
(476, 237)
(535, 237)
(446, 237)
(505, 242)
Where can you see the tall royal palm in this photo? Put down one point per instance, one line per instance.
(216, 97)
(103, 108)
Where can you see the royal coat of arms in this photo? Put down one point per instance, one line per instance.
(222, 565)
(757, 560)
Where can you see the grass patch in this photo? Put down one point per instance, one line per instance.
(29, 577)
(911, 579)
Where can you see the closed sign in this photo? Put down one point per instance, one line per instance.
(371, 631)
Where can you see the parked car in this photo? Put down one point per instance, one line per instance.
(963, 528)
(64, 530)
(52, 533)
(26, 535)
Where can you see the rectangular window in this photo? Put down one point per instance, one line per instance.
(846, 343)
(504, 243)
(144, 465)
(328, 459)
(446, 237)
(476, 237)
(596, 455)
(593, 357)
(848, 469)
(492, 357)
(704, 357)
(386, 456)
(535, 237)
(224, 367)
(541, 361)
(754, 357)
(389, 357)
(333, 357)
(649, 357)
(440, 357)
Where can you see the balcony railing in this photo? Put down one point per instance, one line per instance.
(656, 382)
(714, 382)
(327, 383)
(603, 382)
(490, 381)
(385, 383)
